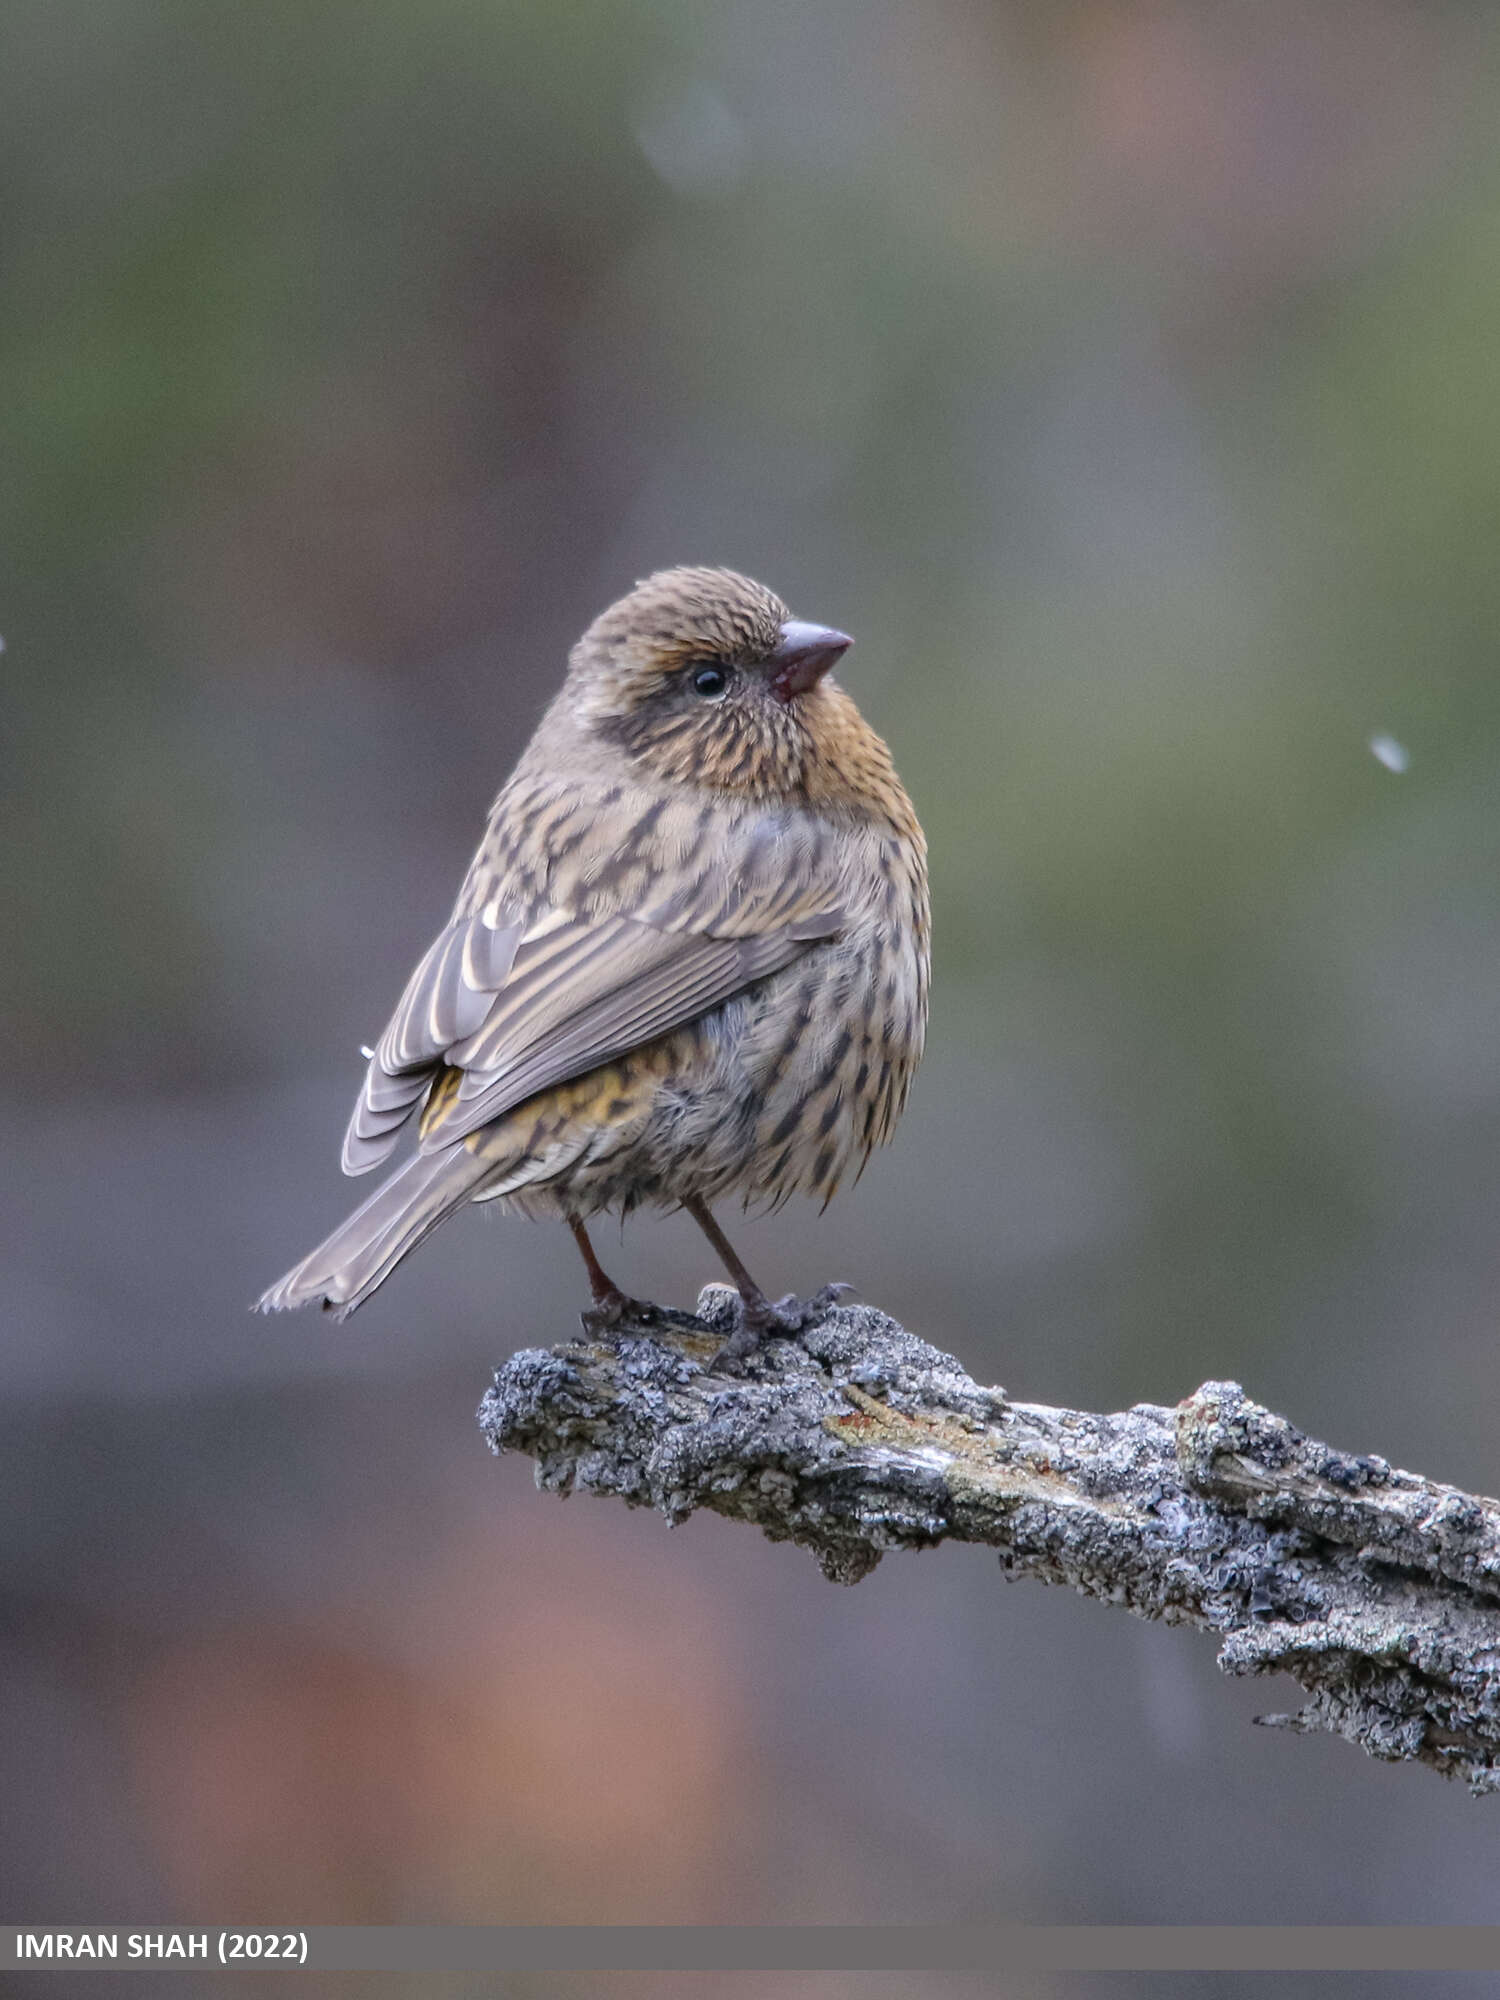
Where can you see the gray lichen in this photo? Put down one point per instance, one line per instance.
(1377, 1591)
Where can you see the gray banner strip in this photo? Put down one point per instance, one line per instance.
(765, 1948)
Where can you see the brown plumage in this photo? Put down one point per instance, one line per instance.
(689, 960)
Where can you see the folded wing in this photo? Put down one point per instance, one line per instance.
(518, 1002)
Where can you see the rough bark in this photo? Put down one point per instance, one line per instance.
(1376, 1590)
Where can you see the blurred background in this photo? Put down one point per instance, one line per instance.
(1126, 377)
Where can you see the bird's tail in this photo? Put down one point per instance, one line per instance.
(362, 1253)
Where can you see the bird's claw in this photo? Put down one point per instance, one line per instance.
(610, 1315)
(797, 1315)
(783, 1320)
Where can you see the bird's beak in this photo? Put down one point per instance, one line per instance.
(805, 654)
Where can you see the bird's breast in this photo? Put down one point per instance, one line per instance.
(829, 1056)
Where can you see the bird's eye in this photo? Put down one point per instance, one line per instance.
(710, 682)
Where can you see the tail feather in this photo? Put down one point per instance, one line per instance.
(361, 1253)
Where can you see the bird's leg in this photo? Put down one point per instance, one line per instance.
(760, 1316)
(611, 1306)
(760, 1320)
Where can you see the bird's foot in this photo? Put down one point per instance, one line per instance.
(794, 1315)
(614, 1312)
(761, 1320)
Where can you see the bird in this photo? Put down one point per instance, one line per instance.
(690, 959)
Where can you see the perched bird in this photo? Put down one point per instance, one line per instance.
(689, 960)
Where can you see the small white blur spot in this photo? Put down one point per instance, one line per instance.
(368, 1054)
(694, 141)
(1386, 750)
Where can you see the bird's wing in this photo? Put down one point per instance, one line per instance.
(643, 930)
(447, 997)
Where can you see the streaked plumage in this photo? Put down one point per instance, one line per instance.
(690, 958)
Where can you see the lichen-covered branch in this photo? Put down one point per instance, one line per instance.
(1378, 1591)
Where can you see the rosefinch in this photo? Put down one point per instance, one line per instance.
(690, 957)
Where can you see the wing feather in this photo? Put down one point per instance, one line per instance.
(668, 980)
(443, 1002)
(602, 959)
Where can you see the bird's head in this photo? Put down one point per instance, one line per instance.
(702, 676)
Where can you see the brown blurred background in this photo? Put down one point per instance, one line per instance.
(1127, 379)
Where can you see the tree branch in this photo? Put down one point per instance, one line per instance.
(1378, 1591)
